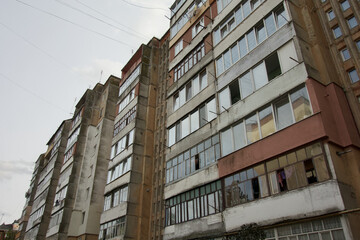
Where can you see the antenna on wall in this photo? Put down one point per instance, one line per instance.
(71, 113)
(101, 73)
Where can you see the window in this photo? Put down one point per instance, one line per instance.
(221, 4)
(196, 203)
(73, 137)
(119, 169)
(251, 39)
(358, 44)
(273, 68)
(122, 144)
(188, 124)
(354, 77)
(337, 32)
(245, 186)
(352, 22)
(198, 27)
(129, 79)
(292, 107)
(124, 121)
(198, 157)
(313, 230)
(252, 80)
(178, 47)
(115, 197)
(191, 60)
(191, 89)
(286, 172)
(345, 5)
(330, 15)
(126, 100)
(345, 54)
(112, 229)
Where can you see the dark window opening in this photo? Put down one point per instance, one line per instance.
(234, 91)
(310, 171)
(256, 188)
(281, 177)
(197, 162)
(273, 66)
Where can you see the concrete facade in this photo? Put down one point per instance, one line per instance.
(48, 179)
(79, 192)
(243, 164)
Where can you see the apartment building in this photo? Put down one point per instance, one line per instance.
(76, 209)
(48, 177)
(133, 191)
(262, 122)
(29, 196)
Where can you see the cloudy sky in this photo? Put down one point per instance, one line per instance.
(51, 51)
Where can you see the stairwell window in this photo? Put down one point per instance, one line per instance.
(352, 22)
(337, 32)
(345, 5)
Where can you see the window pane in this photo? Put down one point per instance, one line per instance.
(301, 104)
(337, 32)
(246, 8)
(345, 54)
(226, 142)
(239, 136)
(263, 186)
(188, 91)
(251, 39)
(345, 5)
(283, 114)
(171, 136)
(203, 80)
(196, 85)
(216, 36)
(176, 101)
(194, 121)
(227, 60)
(260, 33)
(219, 66)
(238, 15)
(182, 96)
(266, 122)
(185, 127)
(270, 24)
(274, 187)
(246, 85)
(260, 75)
(281, 17)
(331, 15)
(252, 129)
(354, 77)
(211, 109)
(224, 99)
(243, 47)
(352, 22)
(202, 116)
(235, 54)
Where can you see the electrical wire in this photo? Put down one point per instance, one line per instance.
(139, 6)
(32, 93)
(73, 23)
(98, 19)
(112, 19)
(35, 46)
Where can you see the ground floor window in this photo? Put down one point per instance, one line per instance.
(320, 229)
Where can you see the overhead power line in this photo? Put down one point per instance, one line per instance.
(35, 46)
(112, 19)
(78, 25)
(144, 7)
(31, 92)
(98, 19)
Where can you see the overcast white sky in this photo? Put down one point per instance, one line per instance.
(51, 51)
